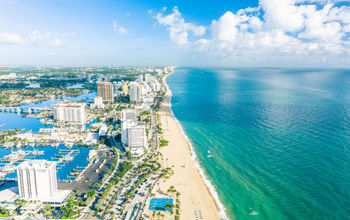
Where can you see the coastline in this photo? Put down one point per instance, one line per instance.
(204, 199)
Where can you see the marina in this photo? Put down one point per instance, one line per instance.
(71, 161)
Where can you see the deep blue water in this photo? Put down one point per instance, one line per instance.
(274, 142)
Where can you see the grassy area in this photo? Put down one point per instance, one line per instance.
(164, 143)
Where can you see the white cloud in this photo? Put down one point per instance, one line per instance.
(282, 14)
(36, 38)
(10, 38)
(179, 29)
(49, 39)
(276, 29)
(119, 29)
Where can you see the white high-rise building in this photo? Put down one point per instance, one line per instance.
(128, 114)
(135, 92)
(137, 137)
(71, 112)
(124, 130)
(37, 181)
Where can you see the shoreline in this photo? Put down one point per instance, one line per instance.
(221, 214)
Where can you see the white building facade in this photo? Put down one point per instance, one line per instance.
(137, 137)
(70, 112)
(98, 103)
(128, 114)
(37, 180)
(124, 130)
(135, 92)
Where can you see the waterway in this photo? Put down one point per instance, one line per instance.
(14, 120)
(79, 161)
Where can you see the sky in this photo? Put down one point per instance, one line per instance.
(235, 33)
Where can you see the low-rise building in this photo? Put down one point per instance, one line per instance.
(98, 103)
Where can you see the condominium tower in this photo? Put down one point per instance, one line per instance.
(105, 90)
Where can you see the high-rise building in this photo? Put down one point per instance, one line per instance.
(37, 180)
(105, 90)
(128, 114)
(124, 130)
(135, 92)
(71, 112)
(137, 137)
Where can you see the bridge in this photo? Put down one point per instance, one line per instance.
(24, 109)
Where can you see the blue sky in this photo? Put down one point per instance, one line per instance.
(186, 33)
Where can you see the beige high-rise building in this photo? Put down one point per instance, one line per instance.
(105, 90)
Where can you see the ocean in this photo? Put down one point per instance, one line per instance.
(275, 143)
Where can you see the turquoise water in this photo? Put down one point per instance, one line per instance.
(273, 142)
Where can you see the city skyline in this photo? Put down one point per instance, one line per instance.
(307, 33)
